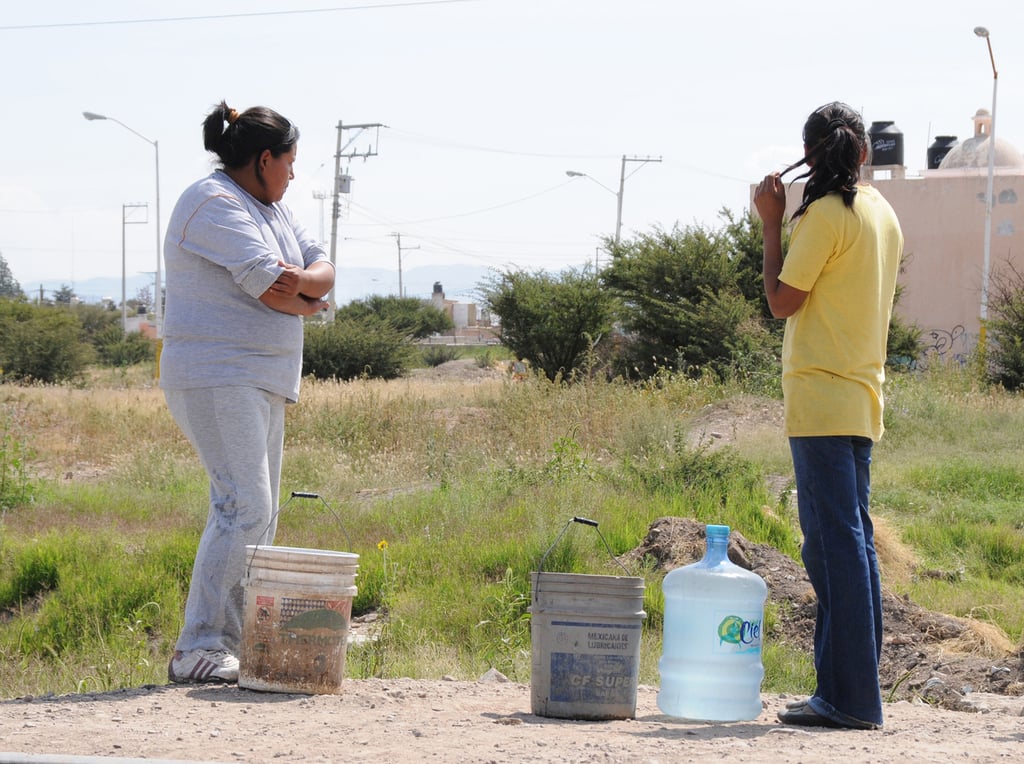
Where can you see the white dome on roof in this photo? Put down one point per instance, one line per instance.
(973, 153)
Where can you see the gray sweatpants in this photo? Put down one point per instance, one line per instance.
(239, 435)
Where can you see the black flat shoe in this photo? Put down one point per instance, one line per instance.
(805, 716)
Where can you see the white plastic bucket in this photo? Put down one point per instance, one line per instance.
(585, 640)
(296, 614)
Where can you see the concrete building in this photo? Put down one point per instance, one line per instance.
(472, 326)
(943, 216)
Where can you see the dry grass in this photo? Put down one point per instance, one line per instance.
(87, 433)
(981, 638)
(897, 561)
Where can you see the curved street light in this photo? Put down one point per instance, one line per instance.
(983, 32)
(622, 186)
(158, 297)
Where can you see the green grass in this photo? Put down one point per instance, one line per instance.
(948, 474)
(451, 494)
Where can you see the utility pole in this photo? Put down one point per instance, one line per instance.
(622, 185)
(343, 184)
(398, 238)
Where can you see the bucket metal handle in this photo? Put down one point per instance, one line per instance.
(582, 521)
(299, 495)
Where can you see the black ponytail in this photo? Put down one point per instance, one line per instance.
(237, 139)
(835, 141)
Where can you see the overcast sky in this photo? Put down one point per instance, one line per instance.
(487, 104)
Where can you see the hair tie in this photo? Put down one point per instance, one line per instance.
(232, 116)
(835, 123)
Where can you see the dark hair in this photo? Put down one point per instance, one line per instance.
(835, 141)
(237, 139)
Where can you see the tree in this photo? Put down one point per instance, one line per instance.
(409, 316)
(143, 296)
(9, 286)
(682, 305)
(64, 295)
(550, 320)
(744, 239)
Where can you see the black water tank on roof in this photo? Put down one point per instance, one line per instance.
(938, 150)
(886, 144)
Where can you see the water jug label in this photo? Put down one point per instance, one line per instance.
(738, 634)
(583, 678)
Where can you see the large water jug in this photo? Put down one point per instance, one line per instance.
(711, 655)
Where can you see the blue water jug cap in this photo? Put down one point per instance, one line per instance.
(717, 531)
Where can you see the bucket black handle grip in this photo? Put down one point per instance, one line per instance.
(299, 495)
(582, 521)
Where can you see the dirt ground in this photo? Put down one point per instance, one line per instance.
(446, 722)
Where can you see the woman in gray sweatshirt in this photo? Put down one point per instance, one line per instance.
(241, 273)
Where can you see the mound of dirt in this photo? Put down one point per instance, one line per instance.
(927, 656)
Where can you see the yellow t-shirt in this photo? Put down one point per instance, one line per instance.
(833, 352)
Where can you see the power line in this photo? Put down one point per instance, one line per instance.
(217, 17)
(439, 244)
(488, 209)
(444, 142)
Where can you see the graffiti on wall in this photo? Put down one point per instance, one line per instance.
(946, 345)
(939, 345)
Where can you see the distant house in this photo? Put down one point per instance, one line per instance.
(471, 324)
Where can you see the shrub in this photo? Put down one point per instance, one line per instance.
(96, 320)
(1006, 354)
(682, 305)
(41, 344)
(15, 455)
(435, 355)
(115, 348)
(408, 315)
(551, 321)
(903, 345)
(356, 348)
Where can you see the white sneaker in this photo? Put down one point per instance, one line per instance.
(199, 666)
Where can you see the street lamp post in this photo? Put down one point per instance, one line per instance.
(618, 197)
(622, 186)
(124, 273)
(158, 297)
(983, 32)
(124, 270)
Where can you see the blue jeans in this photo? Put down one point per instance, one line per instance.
(833, 483)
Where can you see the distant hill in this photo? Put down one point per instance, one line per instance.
(459, 282)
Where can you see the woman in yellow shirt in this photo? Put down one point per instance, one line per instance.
(835, 289)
